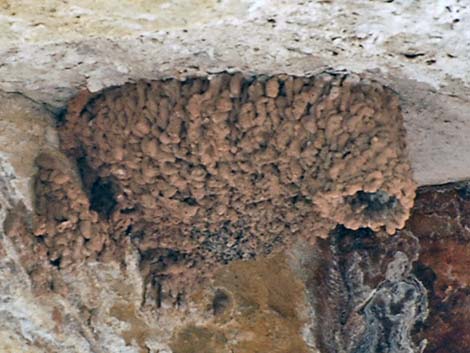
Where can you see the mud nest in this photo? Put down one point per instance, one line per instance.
(222, 168)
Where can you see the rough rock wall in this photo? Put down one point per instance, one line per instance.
(441, 221)
(364, 294)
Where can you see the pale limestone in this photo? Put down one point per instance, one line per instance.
(50, 49)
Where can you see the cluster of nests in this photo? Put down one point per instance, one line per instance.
(229, 167)
(63, 217)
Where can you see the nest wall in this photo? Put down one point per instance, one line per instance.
(209, 170)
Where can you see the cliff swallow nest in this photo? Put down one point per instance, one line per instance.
(222, 168)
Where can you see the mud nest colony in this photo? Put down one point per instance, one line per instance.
(208, 170)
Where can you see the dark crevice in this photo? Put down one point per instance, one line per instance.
(101, 192)
(60, 116)
(426, 275)
(56, 262)
(102, 198)
(373, 202)
(220, 302)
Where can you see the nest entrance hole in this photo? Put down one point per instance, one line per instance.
(373, 203)
(101, 192)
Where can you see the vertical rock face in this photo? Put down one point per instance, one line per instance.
(255, 306)
(441, 219)
(363, 293)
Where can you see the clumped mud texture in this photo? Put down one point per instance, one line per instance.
(364, 296)
(206, 171)
(441, 221)
(260, 159)
(64, 215)
(33, 252)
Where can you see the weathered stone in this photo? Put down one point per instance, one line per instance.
(440, 221)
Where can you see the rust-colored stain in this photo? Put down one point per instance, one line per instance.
(138, 332)
(58, 318)
(255, 307)
(441, 221)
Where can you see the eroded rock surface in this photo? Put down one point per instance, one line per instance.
(364, 296)
(252, 311)
(440, 219)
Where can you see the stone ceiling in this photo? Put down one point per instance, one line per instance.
(51, 49)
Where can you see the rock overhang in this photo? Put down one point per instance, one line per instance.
(419, 50)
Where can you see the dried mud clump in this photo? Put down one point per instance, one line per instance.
(32, 251)
(64, 219)
(263, 156)
(365, 177)
(441, 221)
(210, 170)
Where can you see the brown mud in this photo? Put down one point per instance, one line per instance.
(205, 171)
